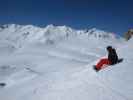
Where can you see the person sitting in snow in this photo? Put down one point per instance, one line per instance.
(111, 60)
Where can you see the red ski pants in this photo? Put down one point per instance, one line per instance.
(102, 62)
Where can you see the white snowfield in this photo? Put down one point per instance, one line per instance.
(55, 63)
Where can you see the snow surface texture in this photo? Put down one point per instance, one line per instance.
(55, 63)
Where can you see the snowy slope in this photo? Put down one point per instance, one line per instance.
(55, 63)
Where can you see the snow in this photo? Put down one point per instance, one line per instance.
(55, 63)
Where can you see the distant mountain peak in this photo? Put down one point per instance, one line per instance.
(128, 35)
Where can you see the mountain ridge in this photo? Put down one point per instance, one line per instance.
(16, 27)
(19, 35)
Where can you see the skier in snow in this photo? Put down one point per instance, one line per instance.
(111, 60)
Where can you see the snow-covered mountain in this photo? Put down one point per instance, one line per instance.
(20, 35)
(55, 63)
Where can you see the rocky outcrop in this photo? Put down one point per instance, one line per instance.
(128, 34)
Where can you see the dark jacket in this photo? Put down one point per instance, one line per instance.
(112, 56)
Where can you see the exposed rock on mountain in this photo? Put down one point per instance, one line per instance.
(128, 34)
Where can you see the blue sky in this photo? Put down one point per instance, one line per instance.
(109, 15)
